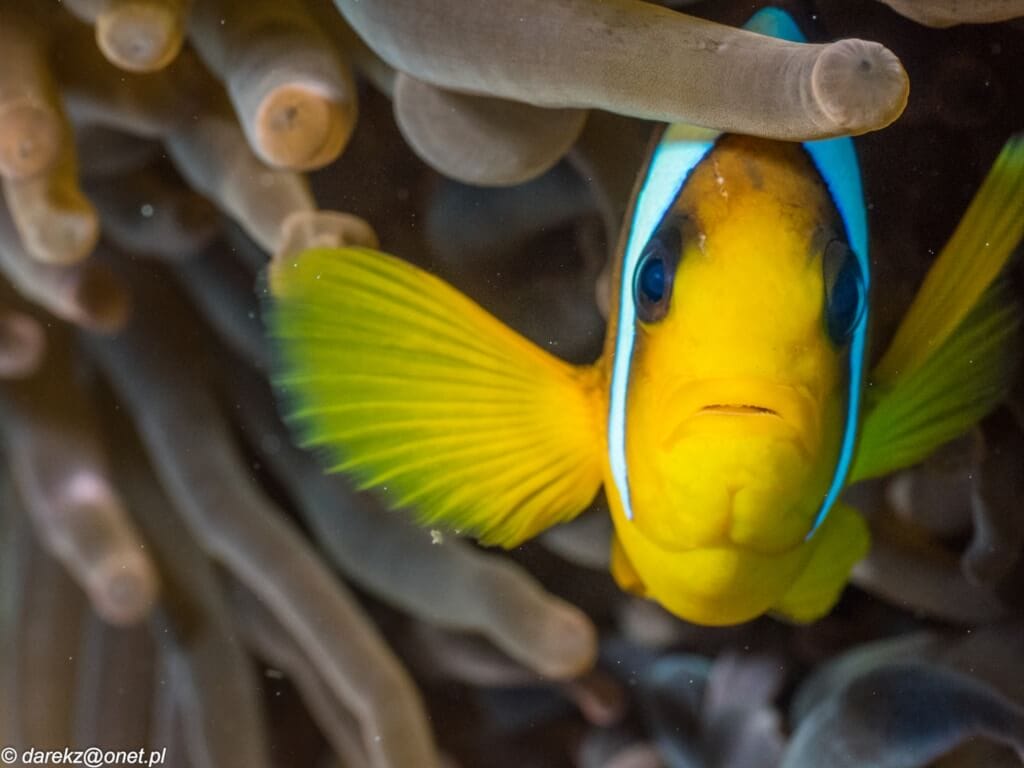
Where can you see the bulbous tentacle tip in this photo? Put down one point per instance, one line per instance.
(22, 345)
(325, 229)
(859, 86)
(303, 230)
(301, 127)
(482, 140)
(569, 642)
(126, 590)
(66, 236)
(949, 13)
(140, 37)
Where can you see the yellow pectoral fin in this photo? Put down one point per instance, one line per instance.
(953, 357)
(841, 541)
(414, 389)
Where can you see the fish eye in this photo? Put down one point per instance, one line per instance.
(652, 282)
(845, 294)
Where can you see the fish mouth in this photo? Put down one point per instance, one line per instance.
(739, 409)
(757, 405)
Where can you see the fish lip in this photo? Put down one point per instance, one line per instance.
(758, 399)
(739, 409)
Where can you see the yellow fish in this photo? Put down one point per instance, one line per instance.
(732, 403)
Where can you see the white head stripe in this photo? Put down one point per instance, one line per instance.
(669, 167)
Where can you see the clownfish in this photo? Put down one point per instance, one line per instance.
(733, 401)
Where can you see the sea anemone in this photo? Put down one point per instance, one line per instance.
(176, 575)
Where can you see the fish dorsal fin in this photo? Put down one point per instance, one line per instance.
(954, 354)
(415, 390)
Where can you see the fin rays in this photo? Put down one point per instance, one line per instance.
(414, 389)
(953, 356)
(952, 390)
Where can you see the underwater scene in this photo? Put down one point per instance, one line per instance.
(512, 383)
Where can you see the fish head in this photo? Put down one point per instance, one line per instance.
(746, 297)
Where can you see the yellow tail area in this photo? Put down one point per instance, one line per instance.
(954, 355)
(414, 389)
